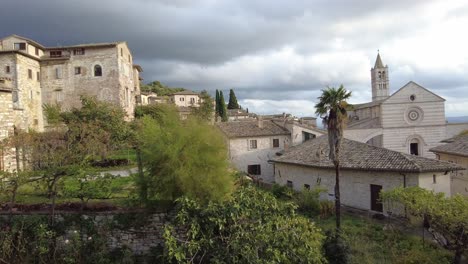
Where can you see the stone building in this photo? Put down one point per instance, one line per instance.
(365, 171)
(60, 75)
(411, 120)
(253, 143)
(456, 151)
(32, 75)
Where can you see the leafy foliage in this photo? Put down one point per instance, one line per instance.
(182, 158)
(448, 217)
(205, 110)
(159, 88)
(251, 227)
(222, 107)
(309, 201)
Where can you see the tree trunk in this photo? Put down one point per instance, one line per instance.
(337, 199)
(458, 256)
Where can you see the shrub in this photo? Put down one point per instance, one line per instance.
(327, 208)
(336, 250)
(308, 201)
(281, 191)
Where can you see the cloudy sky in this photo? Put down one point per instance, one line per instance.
(277, 55)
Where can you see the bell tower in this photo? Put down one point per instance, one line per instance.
(380, 83)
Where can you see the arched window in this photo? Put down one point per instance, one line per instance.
(414, 147)
(97, 70)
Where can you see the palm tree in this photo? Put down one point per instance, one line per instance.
(331, 108)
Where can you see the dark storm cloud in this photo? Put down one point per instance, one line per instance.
(267, 50)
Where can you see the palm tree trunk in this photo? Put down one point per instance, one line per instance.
(337, 199)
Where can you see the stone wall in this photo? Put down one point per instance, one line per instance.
(139, 232)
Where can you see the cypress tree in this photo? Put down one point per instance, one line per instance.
(217, 104)
(222, 107)
(232, 100)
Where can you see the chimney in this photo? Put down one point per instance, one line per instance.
(260, 121)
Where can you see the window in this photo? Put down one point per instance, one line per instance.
(58, 73)
(276, 142)
(412, 97)
(192, 100)
(78, 51)
(414, 149)
(181, 99)
(434, 179)
(254, 169)
(97, 70)
(55, 53)
(253, 144)
(289, 184)
(37, 51)
(29, 73)
(307, 186)
(38, 76)
(121, 52)
(437, 157)
(77, 70)
(7, 69)
(20, 46)
(129, 58)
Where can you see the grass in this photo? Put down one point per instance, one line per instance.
(35, 193)
(371, 241)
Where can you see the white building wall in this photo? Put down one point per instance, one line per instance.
(241, 155)
(355, 185)
(398, 139)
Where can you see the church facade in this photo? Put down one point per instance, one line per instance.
(411, 120)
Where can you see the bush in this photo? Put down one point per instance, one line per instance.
(327, 208)
(336, 250)
(251, 227)
(281, 191)
(309, 201)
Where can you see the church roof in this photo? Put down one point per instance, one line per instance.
(360, 156)
(458, 146)
(378, 62)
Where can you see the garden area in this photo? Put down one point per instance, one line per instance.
(179, 203)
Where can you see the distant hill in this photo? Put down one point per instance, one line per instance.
(160, 89)
(457, 119)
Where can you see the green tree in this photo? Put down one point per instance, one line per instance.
(217, 104)
(222, 107)
(183, 158)
(233, 104)
(160, 89)
(251, 227)
(205, 110)
(331, 108)
(447, 216)
(95, 128)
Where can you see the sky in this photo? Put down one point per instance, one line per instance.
(276, 55)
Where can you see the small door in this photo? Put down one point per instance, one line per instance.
(376, 204)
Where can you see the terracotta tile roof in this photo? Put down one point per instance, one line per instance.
(360, 156)
(251, 129)
(187, 92)
(457, 146)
